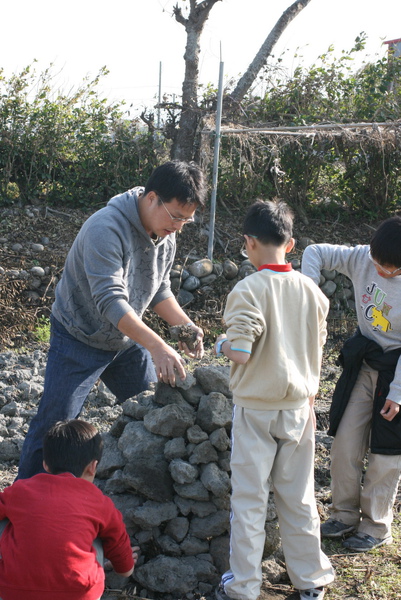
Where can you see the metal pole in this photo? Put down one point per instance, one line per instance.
(160, 94)
(215, 162)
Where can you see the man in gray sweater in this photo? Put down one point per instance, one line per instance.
(118, 266)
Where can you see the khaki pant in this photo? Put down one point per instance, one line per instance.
(279, 444)
(368, 506)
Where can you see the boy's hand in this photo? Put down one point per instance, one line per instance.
(135, 553)
(222, 336)
(107, 566)
(390, 410)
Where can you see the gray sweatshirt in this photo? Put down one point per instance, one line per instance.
(378, 300)
(113, 267)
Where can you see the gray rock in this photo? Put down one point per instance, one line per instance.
(139, 406)
(329, 275)
(199, 509)
(175, 448)
(152, 514)
(272, 571)
(167, 575)
(230, 269)
(191, 284)
(193, 546)
(201, 268)
(220, 551)
(214, 411)
(37, 247)
(203, 568)
(328, 288)
(177, 528)
(215, 480)
(203, 453)
(192, 491)
(211, 526)
(220, 439)
(112, 457)
(185, 298)
(195, 435)
(165, 394)
(37, 272)
(167, 545)
(170, 421)
(214, 378)
(182, 472)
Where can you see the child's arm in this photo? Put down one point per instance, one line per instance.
(108, 565)
(223, 346)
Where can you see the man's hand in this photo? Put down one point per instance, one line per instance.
(390, 410)
(198, 350)
(168, 363)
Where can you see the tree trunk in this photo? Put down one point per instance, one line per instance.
(183, 145)
(261, 57)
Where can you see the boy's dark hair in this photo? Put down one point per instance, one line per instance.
(69, 446)
(385, 245)
(269, 221)
(184, 181)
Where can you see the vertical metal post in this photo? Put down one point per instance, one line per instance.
(215, 161)
(160, 95)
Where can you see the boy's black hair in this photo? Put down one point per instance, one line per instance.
(385, 245)
(184, 181)
(269, 221)
(69, 446)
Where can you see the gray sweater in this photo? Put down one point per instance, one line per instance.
(113, 267)
(378, 300)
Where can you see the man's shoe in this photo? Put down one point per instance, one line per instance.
(335, 529)
(362, 542)
(220, 594)
(312, 594)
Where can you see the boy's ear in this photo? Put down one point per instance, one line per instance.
(46, 468)
(91, 468)
(290, 245)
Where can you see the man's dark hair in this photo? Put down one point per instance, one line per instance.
(269, 221)
(69, 446)
(184, 181)
(385, 245)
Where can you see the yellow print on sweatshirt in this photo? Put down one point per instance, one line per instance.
(379, 320)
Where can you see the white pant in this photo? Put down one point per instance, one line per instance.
(279, 444)
(368, 507)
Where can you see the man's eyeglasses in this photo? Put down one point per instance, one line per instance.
(175, 219)
(386, 271)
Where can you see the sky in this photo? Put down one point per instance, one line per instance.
(142, 45)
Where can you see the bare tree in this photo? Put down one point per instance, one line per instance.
(183, 145)
(261, 57)
(184, 137)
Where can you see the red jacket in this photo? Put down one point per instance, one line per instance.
(46, 550)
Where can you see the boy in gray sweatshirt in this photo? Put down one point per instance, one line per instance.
(365, 414)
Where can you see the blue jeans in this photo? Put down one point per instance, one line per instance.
(72, 369)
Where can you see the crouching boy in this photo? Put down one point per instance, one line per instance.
(58, 522)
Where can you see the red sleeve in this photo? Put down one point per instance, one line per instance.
(115, 539)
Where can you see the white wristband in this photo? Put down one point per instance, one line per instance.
(219, 345)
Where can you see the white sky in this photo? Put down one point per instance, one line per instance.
(132, 37)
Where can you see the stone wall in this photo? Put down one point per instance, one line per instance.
(166, 466)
